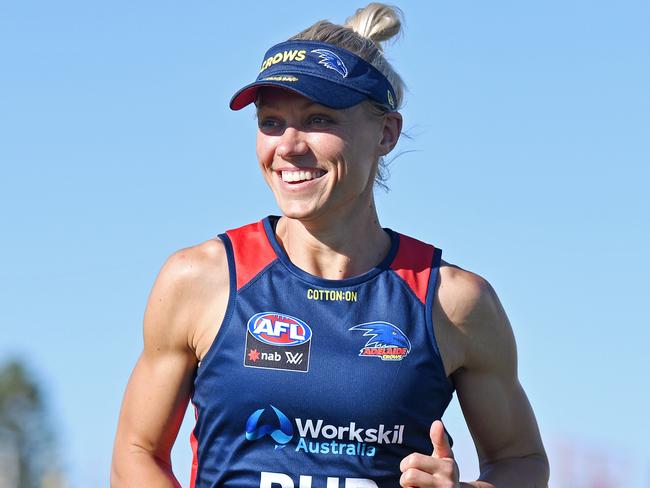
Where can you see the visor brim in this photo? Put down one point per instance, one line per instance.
(319, 90)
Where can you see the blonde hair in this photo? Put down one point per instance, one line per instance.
(363, 34)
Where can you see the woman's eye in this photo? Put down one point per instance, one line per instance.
(320, 120)
(268, 123)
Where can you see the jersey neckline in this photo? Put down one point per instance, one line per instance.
(269, 228)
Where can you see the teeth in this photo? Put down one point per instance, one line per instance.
(301, 175)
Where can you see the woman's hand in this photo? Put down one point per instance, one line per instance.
(439, 470)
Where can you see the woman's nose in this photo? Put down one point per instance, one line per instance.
(291, 143)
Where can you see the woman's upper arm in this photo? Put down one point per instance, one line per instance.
(495, 406)
(160, 386)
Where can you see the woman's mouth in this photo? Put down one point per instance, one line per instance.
(299, 176)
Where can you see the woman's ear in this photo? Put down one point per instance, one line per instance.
(392, 128)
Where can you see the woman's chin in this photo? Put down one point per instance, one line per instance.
(300, 210)
(297, 213)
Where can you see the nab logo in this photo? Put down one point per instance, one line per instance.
(278, 330)
(281, 433)
(277, 341)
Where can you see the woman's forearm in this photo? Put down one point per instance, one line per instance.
(521, 472)
(137, 468)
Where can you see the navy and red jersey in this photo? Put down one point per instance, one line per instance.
(316, 383)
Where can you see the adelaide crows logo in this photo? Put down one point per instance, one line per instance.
(330, 60)
(281, 433)
(386, 341)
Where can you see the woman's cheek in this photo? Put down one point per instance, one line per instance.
(264, 148)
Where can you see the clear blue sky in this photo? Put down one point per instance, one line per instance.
(528, 163)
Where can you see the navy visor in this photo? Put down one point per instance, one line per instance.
(322, 72)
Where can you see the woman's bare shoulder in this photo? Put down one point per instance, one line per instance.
(461, 292)
(468, 318)
(190, 295)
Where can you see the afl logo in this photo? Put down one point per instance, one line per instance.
(278, 329)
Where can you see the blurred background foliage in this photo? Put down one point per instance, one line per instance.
(28, 451)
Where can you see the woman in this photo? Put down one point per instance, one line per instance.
(319, 349)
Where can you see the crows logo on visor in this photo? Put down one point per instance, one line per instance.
(386, 341)
(330, 60)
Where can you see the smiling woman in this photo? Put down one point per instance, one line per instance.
(321, 161)
(318, 348)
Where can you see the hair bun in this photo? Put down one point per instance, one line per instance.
(377, 22)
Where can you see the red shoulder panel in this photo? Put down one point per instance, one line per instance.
(413, 264)
(194, 443)
(252, 251)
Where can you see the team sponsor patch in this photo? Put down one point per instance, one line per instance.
(385, 341)
(332, 295)
(279, 428)
(269, 479)
(307, 435)
(277, 341)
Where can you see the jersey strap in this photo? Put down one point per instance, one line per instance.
(413, 264)
(252, 251)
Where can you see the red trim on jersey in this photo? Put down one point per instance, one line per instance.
(252, 251)
(195, 452)
(413, 264)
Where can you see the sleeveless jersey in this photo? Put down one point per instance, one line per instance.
(316, 383)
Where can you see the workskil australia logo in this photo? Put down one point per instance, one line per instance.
(277, 341)
(281, 433)
(385, 341)
(317, 437)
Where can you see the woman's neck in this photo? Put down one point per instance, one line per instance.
(340, 248)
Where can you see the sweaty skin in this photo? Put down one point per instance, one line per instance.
(329, 229)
